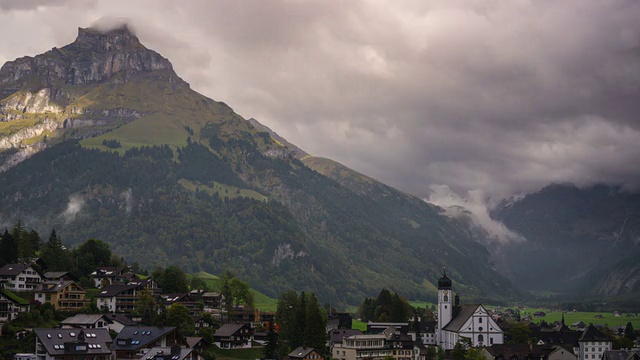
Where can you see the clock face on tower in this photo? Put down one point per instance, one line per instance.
(445, 292)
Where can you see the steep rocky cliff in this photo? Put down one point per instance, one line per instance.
(47, 97)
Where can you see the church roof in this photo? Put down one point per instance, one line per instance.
(466, 311)
(444, 282)
(593, 334)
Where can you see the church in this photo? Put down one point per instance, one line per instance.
(467, 321)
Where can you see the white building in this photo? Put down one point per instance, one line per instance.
(19, 277)
(455, 322)
(592, 344)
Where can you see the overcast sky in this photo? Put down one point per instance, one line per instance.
(493, 97)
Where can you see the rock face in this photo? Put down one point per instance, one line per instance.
(93, 57)
(42, 91)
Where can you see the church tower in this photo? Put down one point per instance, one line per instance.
(445, 305)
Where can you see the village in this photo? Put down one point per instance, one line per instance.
(115, 324)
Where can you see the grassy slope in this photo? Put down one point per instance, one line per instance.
(260, 300)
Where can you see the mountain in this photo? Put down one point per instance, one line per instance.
(580, 240)
(102, 139)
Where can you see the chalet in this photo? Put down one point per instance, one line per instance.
(195, 342)
(123, 298)
(19, 277)
(233, 336)
(64, 295)
(135, 341)
(212, 300)
(593, 343)
(87, 321)
(305, 353)
(11, 305)
(56, 344)
(375, 346)
(104, 276)
(189, 301)
(59, 276)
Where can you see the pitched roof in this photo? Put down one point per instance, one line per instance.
(465, 313)
(301, 352)
(193, 340)
(13, 297)
(121, 318)
(56, 274)
(621, 354)
(339, 334)
(136, 337)
(54, 286)
(228, 329)
(115, 289)
(13, 269)
(58, 342)
(593, 334)
(84, 319)
(169, 353)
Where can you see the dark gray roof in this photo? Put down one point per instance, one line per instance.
(84, 319)
(114, 289)
(593, 334)
(122, 319)
(54, 286)
(13, 269)
(136, 337)
(167, 353)
(301, 352)
(193, 340)
(58, 342)
(339, 334)
(56, 274)
(457, 322)
(621, 354)
(228, 329)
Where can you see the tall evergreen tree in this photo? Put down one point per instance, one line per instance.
(54, 254)
(271, 347)
(315, 331)
(9, 249)
(629, 333)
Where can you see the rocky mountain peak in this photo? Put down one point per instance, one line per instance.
(110, 40)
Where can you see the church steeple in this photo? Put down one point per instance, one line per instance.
(445, 304)
(444, 282)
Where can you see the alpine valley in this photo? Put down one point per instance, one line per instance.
(102, 139)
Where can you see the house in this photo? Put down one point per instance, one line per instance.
(212, 300)
(59, 276)
(339, 321)
(191, 302)
(559, 352)
(336, 336)
(390, 342)
(469, 321)
(87, 321)
(593, 343)
(11, 305)
(104, 276)
(119, 321)
(621, 355)
(19, 277)
(123, 298)
(63, 295)
(305, 353)
(135, 341)
(233, 336)
(195, 342)
(56, 344)
(427, 333)
(175, 352)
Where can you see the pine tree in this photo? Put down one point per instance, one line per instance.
(629, 333)
(315, 335)
(9, 249)
(271, 347)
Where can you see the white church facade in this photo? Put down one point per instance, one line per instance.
(455, 322)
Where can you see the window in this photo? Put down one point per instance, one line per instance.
(480, 320)
(491, 340)
(480, 328)
(480, 338)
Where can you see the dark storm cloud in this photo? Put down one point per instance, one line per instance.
(491, 97)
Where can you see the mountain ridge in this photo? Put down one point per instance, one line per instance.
(140, 160)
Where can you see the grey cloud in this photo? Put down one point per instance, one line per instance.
(502, 97)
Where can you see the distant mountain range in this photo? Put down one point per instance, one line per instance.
(102, 139)
(584, 242)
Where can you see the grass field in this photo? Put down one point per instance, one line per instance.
(360, 325)
(260, 300)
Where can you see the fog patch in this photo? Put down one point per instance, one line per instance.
(74, 207)
(475, 207)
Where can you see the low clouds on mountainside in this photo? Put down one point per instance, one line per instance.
(501, 97)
